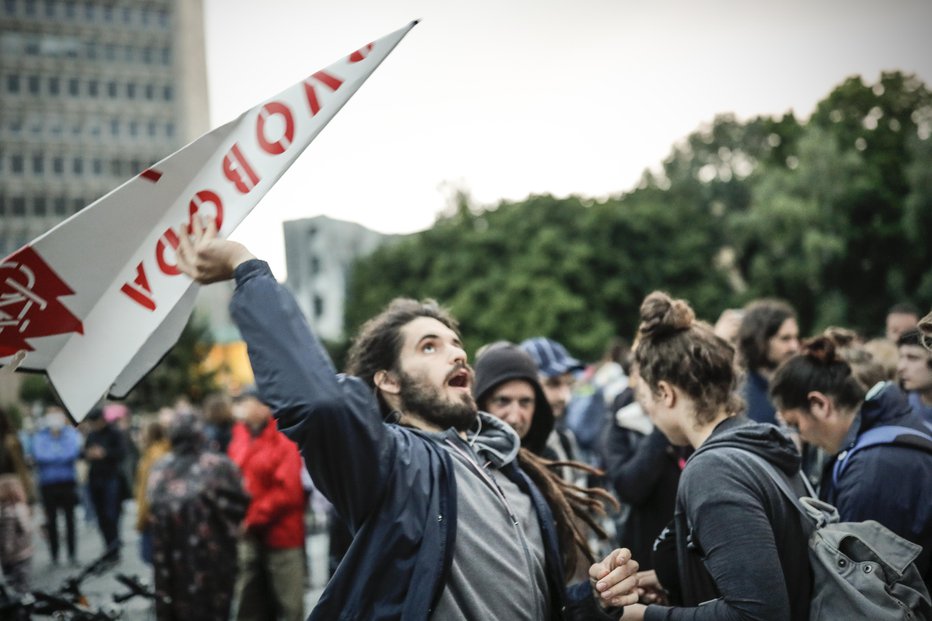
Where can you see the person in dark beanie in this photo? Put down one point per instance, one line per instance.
(507, 388)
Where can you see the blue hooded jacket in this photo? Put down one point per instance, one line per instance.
(393, 486)
(888, 483)
(55, 456)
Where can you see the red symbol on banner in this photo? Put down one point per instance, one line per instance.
(29, 306)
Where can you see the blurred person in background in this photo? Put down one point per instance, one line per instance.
(914, 372)
(56, 448)
(155, 445)
(901, 318)
(218, 422)
(196, 503)
(105, 450)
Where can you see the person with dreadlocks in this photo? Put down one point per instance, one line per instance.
(450, 519)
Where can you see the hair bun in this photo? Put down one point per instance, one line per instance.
(820, 349)
(662, 315)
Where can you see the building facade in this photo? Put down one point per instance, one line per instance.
(319, 254)
(92, 92)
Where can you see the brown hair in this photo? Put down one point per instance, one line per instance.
(378, 344)
(762, 320)
(818, 366)
(925, 327)
(218, 410)
(674, 347)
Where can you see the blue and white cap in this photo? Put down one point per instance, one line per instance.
(552, 358)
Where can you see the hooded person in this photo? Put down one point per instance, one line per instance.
(507, 388)
(196, 503)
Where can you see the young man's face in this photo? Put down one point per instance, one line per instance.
(784, 344)
(912, 368)
(436, 382)
(558, 390)
(513, 402)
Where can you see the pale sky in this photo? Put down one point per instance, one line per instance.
(506, 98)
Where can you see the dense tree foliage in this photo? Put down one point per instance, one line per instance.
(833, 214)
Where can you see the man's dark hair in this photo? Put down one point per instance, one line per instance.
(818, 366)
(913, 337)
(377, 346)
(762, 320)
(904, 308)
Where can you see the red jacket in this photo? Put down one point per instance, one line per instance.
(271, 467)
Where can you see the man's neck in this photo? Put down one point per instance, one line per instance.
(765, 372)
(925, 396)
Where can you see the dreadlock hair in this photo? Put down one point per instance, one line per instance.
(569, 504)
(377, 347)
(818, 366)
(674, 347)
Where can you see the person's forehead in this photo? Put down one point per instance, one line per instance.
(556, 380)
(902, 318)
(787, 327)
(514, 386)
(423, 327)
(914, 351)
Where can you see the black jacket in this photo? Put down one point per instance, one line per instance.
(739, 543)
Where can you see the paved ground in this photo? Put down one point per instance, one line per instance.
(100, 589)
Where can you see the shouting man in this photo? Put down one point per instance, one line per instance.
(448, 521)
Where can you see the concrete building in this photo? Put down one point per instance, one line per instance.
(319, 254)
(91, 93)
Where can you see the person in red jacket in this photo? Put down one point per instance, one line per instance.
(271, 550)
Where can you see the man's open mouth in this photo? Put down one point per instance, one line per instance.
(459, 379)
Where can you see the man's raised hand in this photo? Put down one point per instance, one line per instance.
(206, 258)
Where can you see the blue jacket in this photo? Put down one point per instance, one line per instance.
(393, 486)
(886, 483)
(55, 456)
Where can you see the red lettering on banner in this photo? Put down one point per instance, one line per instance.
(169, 269)
(310, 92)
(139, 290)
(234, 165)
(360, 54)
(278, 147)
(199, 200)
(29, 306)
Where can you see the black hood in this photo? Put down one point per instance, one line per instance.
(761, 439)
(504, 363)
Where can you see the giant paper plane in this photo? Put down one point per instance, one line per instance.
(97, 301)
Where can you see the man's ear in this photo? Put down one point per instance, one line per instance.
(820, 405)
(387, 382)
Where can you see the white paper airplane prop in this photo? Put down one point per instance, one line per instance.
(97, 301)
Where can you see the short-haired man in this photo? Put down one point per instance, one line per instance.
(914, 372)
(901, 318)
(556, 368)
(767, 336)
(447, 524)
(270, 583)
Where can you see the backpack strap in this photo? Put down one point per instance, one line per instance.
(884, 435)
(815, 513)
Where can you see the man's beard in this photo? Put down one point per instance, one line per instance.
(424, 400)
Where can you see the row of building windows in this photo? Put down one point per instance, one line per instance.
(54, 85)
(56, 128)
(15, 44)
(40, 206)
(90, 11)
(39, 164)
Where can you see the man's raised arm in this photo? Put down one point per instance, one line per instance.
(333, 419)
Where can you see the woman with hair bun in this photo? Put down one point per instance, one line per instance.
(818, 392)
(736, 548)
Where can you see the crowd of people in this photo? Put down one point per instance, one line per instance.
(526, 485)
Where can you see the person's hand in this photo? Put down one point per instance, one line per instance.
(614, 580)
(206, 258)
(650, 591)
(95, 452)
(634, 612)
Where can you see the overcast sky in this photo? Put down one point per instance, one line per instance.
(506, 98)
